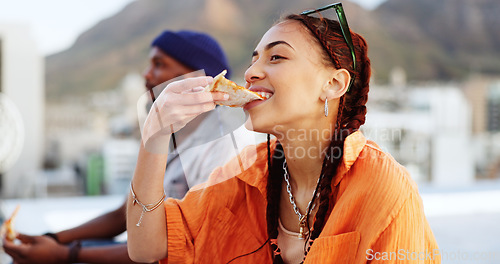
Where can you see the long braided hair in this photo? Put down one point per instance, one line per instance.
(351, 115)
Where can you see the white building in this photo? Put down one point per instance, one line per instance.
(427, 129)
(121, 148)
(96, 126)
(22, 81)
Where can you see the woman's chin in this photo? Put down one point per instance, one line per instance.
(253, 126)
(249, 124)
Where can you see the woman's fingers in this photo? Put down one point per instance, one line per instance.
(195, 98)
(218, 96)
(189, 84)
(189, 110)
(194, 90)
(183, 114)
(178, 104)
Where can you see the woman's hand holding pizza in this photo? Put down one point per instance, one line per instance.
(180, 102)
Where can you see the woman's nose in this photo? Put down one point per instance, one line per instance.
(254, 72)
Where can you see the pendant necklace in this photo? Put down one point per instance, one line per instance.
(302, 218)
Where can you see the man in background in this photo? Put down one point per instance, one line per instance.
(172, 54)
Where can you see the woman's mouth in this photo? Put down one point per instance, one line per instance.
(264, 93)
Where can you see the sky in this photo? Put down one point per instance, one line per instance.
(55, 24)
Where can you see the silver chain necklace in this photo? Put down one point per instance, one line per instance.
(302, 218)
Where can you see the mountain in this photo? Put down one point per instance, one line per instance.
(431, 39)
(443, 39)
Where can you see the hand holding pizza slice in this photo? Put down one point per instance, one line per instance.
(7, 229)
(238, 96)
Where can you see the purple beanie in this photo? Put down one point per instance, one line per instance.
(195, 50)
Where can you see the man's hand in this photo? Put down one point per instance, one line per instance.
(36, 250)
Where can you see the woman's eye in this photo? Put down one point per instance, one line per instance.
(276, 57)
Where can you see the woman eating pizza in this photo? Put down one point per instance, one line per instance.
(318, 192)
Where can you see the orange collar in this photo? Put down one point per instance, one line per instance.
(254, 161)
(353, 145)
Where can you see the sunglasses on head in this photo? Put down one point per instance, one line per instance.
(339, 10)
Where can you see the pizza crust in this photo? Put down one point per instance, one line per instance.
(238, 96)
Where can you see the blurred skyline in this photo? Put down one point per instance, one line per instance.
(55, 24)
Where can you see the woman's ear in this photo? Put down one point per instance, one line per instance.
(337, 85)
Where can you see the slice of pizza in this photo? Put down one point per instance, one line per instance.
(238, 96)
(7, 229)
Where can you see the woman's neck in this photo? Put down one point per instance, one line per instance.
(304, 155)
(304, 151)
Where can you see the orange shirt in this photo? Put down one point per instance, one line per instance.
(378, 216)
